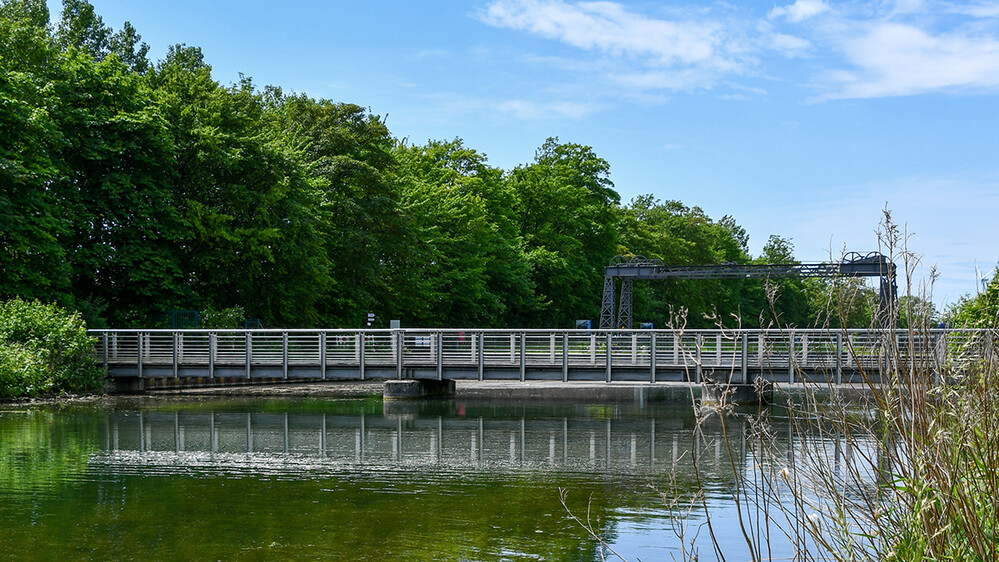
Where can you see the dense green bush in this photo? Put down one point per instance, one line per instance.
(226, 318)
(44, 349)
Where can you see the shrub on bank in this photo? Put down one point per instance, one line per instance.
(44, 349)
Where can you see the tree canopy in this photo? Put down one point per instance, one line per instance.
(130, 188)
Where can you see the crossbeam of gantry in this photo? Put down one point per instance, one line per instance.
(630, 268)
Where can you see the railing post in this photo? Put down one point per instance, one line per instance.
(718, 350)
(284, 355)
(481, 354)
(359, 346)
(790, 357)
(523, 357)
(698, 345)
(610, 354)
(138, 349)
(634, 348)
(565, 356)
(398, 354)
(744, 357)
(176, 371)
(249, 353)
(652, 357)
(761, 344)
(839, 357)
(551, 348)
(211, 355)
(322, 355)
(593, 349)
(676, 350)
(104, 346)
(440, 355)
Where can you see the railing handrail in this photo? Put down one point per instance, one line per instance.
(723, 331)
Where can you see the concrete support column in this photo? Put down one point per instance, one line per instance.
(417, 388)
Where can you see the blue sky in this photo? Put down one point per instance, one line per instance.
(799, 118)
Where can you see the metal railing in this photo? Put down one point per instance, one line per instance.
(516, 353)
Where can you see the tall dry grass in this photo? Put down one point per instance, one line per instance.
(905, 467)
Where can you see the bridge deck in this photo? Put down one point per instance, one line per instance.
(567, 355)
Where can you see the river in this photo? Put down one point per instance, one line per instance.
(251, 479)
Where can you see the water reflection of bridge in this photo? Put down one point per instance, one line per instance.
(318, 440)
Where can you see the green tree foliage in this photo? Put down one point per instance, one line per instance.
(129, 189)
(32, 259)
(565, 206)
(33, 13)
(364, 232)
(468, 261)
(251, 236)
(787, 299)
(81, 28)
(116, 185)
(681, 235)
(980, 311)
(44, 349)
(843, 302)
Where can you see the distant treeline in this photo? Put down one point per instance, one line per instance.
(128, 189)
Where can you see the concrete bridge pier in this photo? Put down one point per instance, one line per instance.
(730, 393)
(409, 389)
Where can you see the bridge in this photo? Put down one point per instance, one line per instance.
(630, 268)
(695, 356)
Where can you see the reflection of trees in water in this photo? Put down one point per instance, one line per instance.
(488, 479)
(42, 448)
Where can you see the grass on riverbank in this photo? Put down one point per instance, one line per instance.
(911, 475)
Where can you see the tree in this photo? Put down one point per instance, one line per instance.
(565, 205)
(116, 183)
(787, 298)
(252, 235)
(32, 260)
(364, 231)
(469, 264)
(34, 13)
(680, 235)
(81, 28)
(980, 311)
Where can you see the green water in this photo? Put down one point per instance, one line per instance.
(355, 480)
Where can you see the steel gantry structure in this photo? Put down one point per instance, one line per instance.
(630, 268)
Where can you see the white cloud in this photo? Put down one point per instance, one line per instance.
(788, 45)
(609, 28)
(894, 59)
(523, 109)
(900, 48)
(800, 10)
